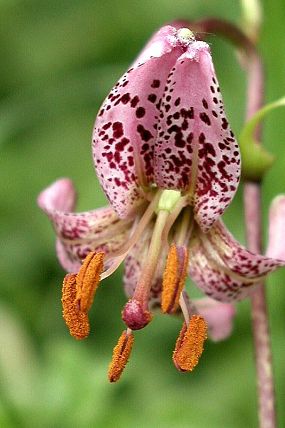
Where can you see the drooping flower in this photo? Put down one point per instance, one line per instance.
(169, 165)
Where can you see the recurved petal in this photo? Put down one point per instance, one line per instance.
(80, 233)
(219, 317)
(196, 150)
(61, 196)
(276, 244)
(126, 126)
(215, 281)
(223, 268)
(225, 249)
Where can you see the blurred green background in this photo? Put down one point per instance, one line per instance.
(58, 60)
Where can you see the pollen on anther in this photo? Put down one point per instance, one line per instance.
(88, 279)
(174, 278)
(76, 320)
(190, 344)
(121, 354)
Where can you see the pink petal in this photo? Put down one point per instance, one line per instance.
(223, 268)
(213, 280)
(61, 196)
(236, 257)
(68, 259)
(276, 243)
(196, 150)
(219, 317)
(126, 126)
(80, 233)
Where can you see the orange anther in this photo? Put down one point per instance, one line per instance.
(121, 354)
(174, 278)
(76, 320)
(189, 345)
(88, 279)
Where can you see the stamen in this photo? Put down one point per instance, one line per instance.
(113, 266)
(174, 278)
(140, 227)
(121, 354)
(135, 316)
(184, 308)
(76, 320)
(88, 279)
(189, 345)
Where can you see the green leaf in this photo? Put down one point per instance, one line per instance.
(255, 159)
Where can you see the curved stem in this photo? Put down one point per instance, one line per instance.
(252, 206)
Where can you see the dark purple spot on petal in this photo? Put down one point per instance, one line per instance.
(117, 129)
(205, 118)
(144, 133)
(125, 98)
(152, 98)
(155, 84)
(140, 112)
(134, 101)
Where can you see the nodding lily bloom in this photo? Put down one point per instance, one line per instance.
(169, 165)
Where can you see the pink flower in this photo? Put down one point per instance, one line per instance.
(169, 165)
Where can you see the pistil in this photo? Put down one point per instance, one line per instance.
(135, 313)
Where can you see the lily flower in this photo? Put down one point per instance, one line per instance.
(170, 165)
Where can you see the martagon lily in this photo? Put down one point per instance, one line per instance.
(170, 165)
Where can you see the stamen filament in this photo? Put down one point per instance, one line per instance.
(145, 219)
(184, 309)
(185, 227)
(114, 266)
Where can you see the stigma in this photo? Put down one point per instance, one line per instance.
(185, 36)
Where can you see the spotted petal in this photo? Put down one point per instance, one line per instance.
(126, 126)
(196, 150)
(223, 268)
(80, 233)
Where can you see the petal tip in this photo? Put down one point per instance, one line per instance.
(60, 195)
